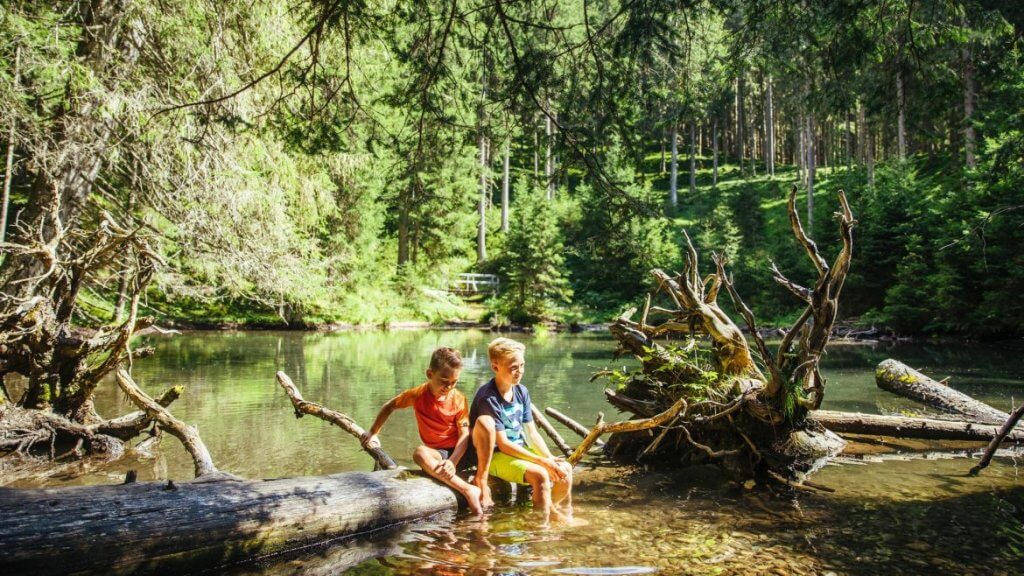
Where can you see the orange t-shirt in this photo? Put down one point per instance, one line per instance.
(438, 421)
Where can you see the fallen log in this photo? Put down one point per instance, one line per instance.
(904, 427)
(898, 378)
(174, 528)
(1000, 436)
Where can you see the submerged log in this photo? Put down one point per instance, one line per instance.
(904, 427)
(173, 528)
(900, 379)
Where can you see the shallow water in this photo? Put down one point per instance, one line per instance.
(893, 517)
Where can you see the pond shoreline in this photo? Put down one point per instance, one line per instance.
(843, 333)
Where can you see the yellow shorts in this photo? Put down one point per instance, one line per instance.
(508, 468)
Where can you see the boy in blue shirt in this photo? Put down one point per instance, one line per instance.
(507, 442)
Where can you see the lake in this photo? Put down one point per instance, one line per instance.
(892, 517)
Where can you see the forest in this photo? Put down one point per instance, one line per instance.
(335, 161)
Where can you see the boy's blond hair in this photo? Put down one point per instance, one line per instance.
(502, 348)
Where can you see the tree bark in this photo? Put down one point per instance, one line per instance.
(549, 166)
(904, 427)
(481, 230)
(810, 172)
(693, 161)
(970, 99)
(714, 148)
(179, 527)
(187, 434)
(546, 426)
(340, 420)
(901, 114)
(9, 161)
(770, 130)
(1004, 431)
(740, 121)
(673, 179)
(903, 380)
(504, 189)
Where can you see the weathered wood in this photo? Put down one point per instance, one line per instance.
(627, 426)
(571, 424)
(302, 406)
(994, 445)
(188, 435)
(900, 379)
(903, 427)
(163, 528)
(552, 433)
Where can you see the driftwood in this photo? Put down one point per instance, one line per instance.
(383, 460)
(627, 426)
(994, 445)
(904, 427)
(900, 379)
(175, 528)
(571, 424)
(551, 432)
(187, 434)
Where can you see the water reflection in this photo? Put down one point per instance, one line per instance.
(890, 518)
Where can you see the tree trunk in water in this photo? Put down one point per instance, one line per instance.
(673, 179)
(714, 152)
(693, 161)
(970, 99)
(905, 427)
(504, 188)
(83, 529)
(903, 380)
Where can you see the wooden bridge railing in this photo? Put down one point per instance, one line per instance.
(471, 284)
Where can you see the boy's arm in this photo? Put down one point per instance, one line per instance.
(536, 440)
(369, 439)
(461, 445)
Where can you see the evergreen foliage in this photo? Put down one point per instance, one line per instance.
(326, 161)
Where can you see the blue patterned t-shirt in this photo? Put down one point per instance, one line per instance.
(509, 417)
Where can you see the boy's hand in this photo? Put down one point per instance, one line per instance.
(445, 469)
(558, 472)
(564, 465)
(369, 441)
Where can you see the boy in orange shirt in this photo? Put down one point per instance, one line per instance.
(442, 417)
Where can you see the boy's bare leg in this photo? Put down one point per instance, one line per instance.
(561, 495)
(483, 440)
(429, 459)
(538, 478)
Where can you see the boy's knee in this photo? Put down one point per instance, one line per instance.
(484, 424)
(421, 454)
(538, 478)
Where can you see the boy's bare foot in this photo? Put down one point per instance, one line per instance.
(485, 496)
(472, 495)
